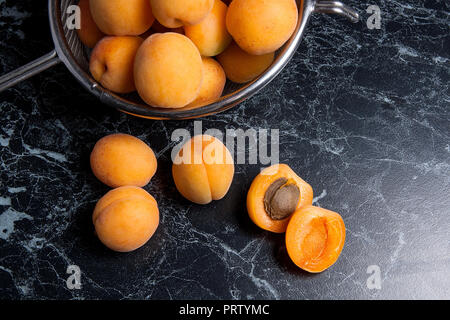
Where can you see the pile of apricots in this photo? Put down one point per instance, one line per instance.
(165, 50)
(203, 169)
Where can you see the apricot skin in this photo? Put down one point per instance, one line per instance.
(207, 172)
(126, 218)
(168, 70)
(123, 160)
(122, 17)
(176, 13)
(241, 67)
(262, 26)
(258, 188)
(112, 62)
(315, 238)
(88, 33)
(210, 35)
(214, 80)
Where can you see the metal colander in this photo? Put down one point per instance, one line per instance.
(70, 51)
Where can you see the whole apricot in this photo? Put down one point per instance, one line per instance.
(168, 70)
(123, 160)
(122, 17)
(203, 169)
(214, 80)
(210, 35)
(262, 26)
(112, 62)
(176, 13)
(242, 67)
(126, 218)
(88, 33)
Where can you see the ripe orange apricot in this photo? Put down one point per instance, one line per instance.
(315, 238)
(211, 35)
(88, 33)
(123, 160)
(122, 17)
(168, 70)
(241, 67)
(213, 83)
(203, 169)
(275, 194)
(176, 13)
(112, 62)
(262, 26)
(125, 218)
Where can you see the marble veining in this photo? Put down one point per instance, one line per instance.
(364, 117)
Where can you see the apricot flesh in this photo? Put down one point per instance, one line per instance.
(123, 160)
(126, 218)
(241, 67)
(262, 26)
(88, 33)
(203, 169)
(176, 13)
(211, 35)
(213, 83)
(315, 238)
(256, 205)
(168, 70)
(122, 17)
(112, 62)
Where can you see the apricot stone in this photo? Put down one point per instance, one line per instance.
(123, 160)
(241, 67)
(88, 33)
(126, 218)
(203, 169)
(122, 17)
(112, 62)
(168, 70)
(214, 80)
(210, 35)
(262, 26)
(176, 13)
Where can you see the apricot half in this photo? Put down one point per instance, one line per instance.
(274, 195)
(125, 218)
(315, 238)
(203, 169)
(262, 26)
(123, 160)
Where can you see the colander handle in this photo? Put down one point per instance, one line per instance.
(28, 70)
(337, 7)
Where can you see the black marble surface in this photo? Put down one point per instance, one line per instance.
(364, 117)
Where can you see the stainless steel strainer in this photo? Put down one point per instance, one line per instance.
(70, 51)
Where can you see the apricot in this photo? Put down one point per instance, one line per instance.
(176, 13)
(122, 17)
(210, 35)
(203, 169)
(112, 62)
(88, 33)
(168, 70)
(123, 160)
(241, 67)
(274, 195)
(315, 238)
(126, 218)
(262, 26)
(214, 80)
